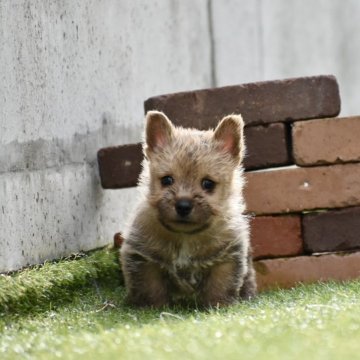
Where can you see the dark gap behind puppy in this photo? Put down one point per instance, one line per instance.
(189, 238)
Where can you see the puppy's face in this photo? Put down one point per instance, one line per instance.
(191, 172)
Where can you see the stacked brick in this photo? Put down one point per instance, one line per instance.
(302, 169)
(268, 108)
(322, 191)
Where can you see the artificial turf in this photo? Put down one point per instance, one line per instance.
(74, 309)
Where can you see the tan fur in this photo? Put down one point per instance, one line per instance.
(204, 256)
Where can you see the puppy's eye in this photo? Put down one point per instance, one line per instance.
(167, 180)
(208, 185)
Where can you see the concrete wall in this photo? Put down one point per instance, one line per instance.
(274, 39)
(74, 75)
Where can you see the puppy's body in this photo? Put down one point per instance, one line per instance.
(189, 239)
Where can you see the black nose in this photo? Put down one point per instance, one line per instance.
(183, 207)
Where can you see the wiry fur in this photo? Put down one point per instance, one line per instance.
(207, 258)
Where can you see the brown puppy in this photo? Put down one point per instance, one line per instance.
(189, 239)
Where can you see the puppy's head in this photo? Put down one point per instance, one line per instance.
(191, 172)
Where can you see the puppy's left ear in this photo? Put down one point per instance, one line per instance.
(229, 135)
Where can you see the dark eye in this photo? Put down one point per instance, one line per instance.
(167, 180)
(208, 185)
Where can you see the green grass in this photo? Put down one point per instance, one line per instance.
(87, 319)
(36, 287)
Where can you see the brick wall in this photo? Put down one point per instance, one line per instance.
(302, 170)
(307, 215)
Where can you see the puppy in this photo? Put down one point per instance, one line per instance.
(189, 239)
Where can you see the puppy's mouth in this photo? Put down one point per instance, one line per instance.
(184, 226)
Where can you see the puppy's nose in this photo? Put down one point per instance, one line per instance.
(183, 207)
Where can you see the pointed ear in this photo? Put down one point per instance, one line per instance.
(158, 131)
(229, 134)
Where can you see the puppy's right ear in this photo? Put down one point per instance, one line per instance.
(158, 131)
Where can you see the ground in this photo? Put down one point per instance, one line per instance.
(75, 309)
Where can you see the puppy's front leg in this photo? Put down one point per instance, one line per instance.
(222, 285)
(145, 282)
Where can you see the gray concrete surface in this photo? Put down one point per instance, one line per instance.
(55, 212)
(74, 75)
(274, 39)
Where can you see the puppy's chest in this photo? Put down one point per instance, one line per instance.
(183, 258)
(187, 270)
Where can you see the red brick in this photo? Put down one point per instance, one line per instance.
(276, 236)
(288, 272)
(118, 240)
(295, 189)
(326, 141)
(259, 103)
(266, 146)
(120, 166)
(332, 230)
